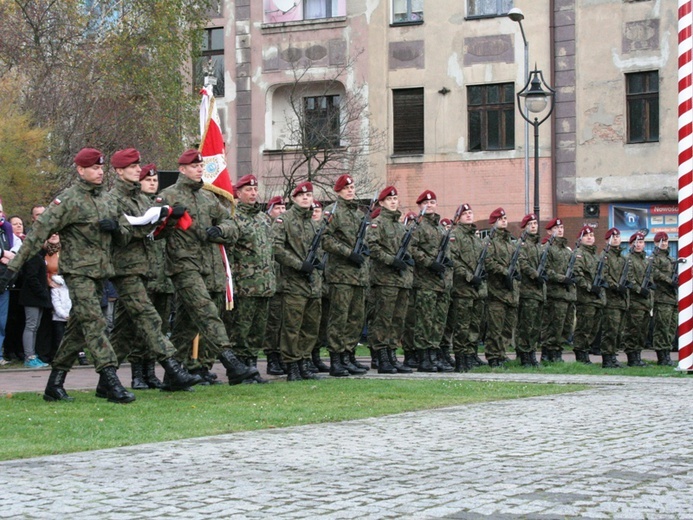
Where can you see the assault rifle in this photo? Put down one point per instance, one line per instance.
(312, 256)
(513, 273)
(441, 257)
(480, 270)
(361, 247)
(647, 285)
(599, 280)
(571, 263)
(402, 251)
(542, 277)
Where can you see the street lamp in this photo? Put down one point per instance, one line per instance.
(533, 98)
(516, 15)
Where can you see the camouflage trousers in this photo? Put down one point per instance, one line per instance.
(86, 326)
(389, 310)
(448, 330)
(665, 324)
(270, 343)
(528, 332)
(586, 327)
(245, 325)
(502, 320)
(300, 326)
(613, 322)
(137, 326)
(346, 317)
(410, 323)
(431, 311)
(636, 329)
(467, 316)
(555, 317)
(569, 325)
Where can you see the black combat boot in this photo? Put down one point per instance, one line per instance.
(633, 360)
(532, 358)
(545, 355)
(115, 392)
(354, 361)
(496, 363)
(426, 361)
(150, 375)
(315, 356)
(177, 376)
(444, 353)
(581, 356)
(524, 359)
(207, 377)
(401, 368)
(440, 361)
(374, 358)
(478, 361)
(274, 365)
(639, 361)
(235, 370)
(306, 373)
(54, 388)
(462, 362)
(384, 364)
(138, 382)
(292, 372)
(251, 362)
(337, 369)
(664, 358)
(609, 361)
(350, 366)
(411, 359)
(557, 356)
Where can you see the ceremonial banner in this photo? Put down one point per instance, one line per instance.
(212, 147)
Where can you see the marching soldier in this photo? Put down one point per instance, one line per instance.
(666, 279)
(616, 296)
(639, 311)
(325, 303)
(532, 293)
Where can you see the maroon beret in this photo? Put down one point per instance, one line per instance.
(304, 187)
(191, 156)
(661, 236)
(636, 236)
(375, 212)
(88, 157)
(553, 223)
(426, 195)
(611, 232)
(246, 180)
(124, 158)
(495, 215)
(276, 201)
(148, 170)
(527, 219)
(342, 182)
(466, 207)
(545, 239)
(317, 204)
(410, 215)
(585, 229)
(445, 222)
(390, 191)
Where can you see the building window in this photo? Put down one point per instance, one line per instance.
(408, 121)
(321, 121)
(315, 9)
(211, 60)
(407, 11)
(642, 98)
(491, 114)
(478, 8)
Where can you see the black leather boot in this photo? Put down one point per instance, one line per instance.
(54, 388)
(532, 358)
(315, 356)
(274, 365)
(350, 366)
(609, 361)
(207, 377)
(150, 375)
(401, 368)
(523, 357)
(306, 373)
(292, 372)
(235, 370)
(384, 365)
(496, 363)
(583, 357)
(478, 361)
(426, 362)
(336, 367)
(545, 355)
(138, 382)
(463, 363)
(251, 362)
(639, 361)
(441, 362)
(354, 361)
(374, 358)
(557, 356)
(633, 359)
(411, 359)
(115, 392)
(664, 358)
(178, 376)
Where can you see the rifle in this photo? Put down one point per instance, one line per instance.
(542, 277)
(599, 280)
(513, 273)
(361, 247)
(646, 286)
(571, 262)
(441, 257)
(675, 273)
(480, 270)
(312, 255)
(402, 251)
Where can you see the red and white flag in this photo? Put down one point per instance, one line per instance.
(212, 145)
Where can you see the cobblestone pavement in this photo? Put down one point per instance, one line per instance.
(622, 449)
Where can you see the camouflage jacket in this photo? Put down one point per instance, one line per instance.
(251, 254)
(339, 241)
(613, 268)
(557, 262)
(75, 214)
(500, 253)
(293, 232)
(191, 250)
(157, 281)
(662, 272)
(465, 251)
(638, 266)
(529, 263)
(424, 245)
(585, 270)
(384, 238)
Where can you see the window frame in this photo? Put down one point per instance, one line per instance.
(408, 122)
(500, 11)
(503, 107)
(410, 14)
(209, 52)
(646, 98)
(329, 8)
(331, 120)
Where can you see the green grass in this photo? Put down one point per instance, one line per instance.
(595, 369)
(31, 427)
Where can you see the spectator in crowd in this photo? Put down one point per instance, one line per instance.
(17, 230)
(6, 241)
(60, 298)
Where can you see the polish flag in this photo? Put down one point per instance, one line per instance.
(212, 146)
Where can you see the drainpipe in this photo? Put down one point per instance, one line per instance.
(552, 50)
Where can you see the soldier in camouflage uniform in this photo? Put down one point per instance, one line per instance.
(347, 276)
(190, 253)
(252, 264)
(136, 317)
(325, 302)
(391, 281)
(590, 299)
(665, 278)
(614, 313)
(560, 294)
(468, 291)
(503, 292)
(411, 358)
(639, 311)
(532, 294)
(432, 286)
(300, 286)
(87, 220)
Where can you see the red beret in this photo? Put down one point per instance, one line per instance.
(88, 157)
(390, 191)
(317, 204)
(190, 157)
(304, 187)
(527, 219)
(275, 201)
(445, 222)
(497, 213)
(466, 207)
(342, 182)
(545, 239)
(375, 212)
(426, 195)
(124, 158)
(553, 223)
(611, 232)
(661, 236)
(246, 180)
(410, 215)
(585, 229)
(636, 236)
(148, 170)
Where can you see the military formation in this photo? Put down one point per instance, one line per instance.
(252, 277)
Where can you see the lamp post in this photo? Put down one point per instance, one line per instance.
(516, 15)
(533, 98)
